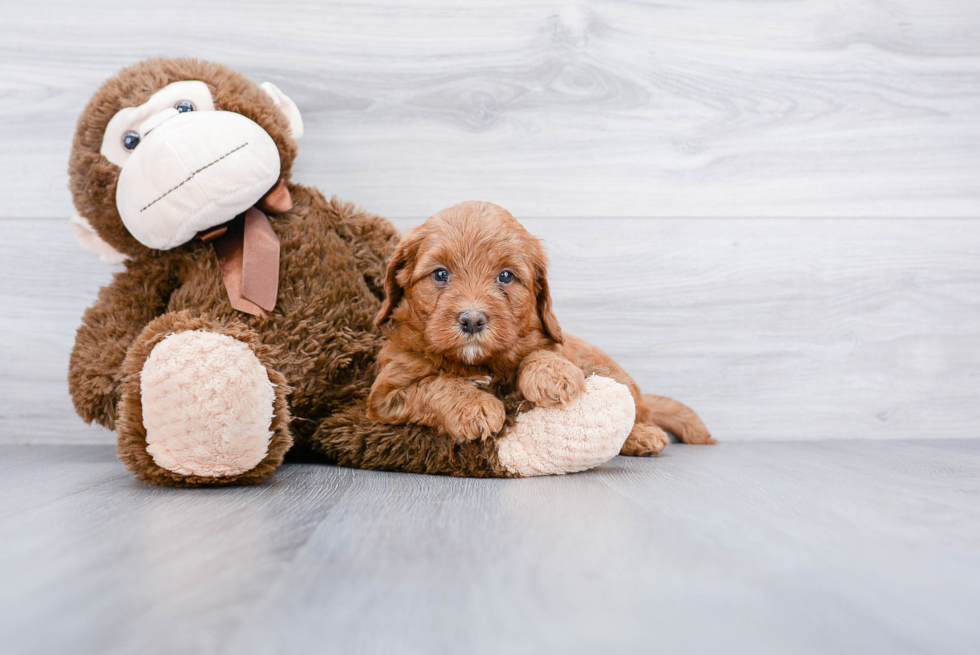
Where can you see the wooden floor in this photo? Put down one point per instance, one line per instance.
(806, 547)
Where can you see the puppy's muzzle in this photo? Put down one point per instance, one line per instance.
(472, 321)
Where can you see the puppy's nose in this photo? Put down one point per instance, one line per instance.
(472, 321)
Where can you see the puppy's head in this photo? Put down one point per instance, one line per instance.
(474, 283)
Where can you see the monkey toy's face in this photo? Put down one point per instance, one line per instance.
(170, 148)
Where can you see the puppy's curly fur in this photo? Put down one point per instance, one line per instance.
(469, 324)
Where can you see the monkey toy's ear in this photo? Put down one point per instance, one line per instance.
(91, 241)
(287, 106)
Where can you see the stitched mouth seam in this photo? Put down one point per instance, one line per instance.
(191, 176)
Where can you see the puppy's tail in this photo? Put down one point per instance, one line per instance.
(674, 417)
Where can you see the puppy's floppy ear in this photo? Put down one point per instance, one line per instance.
(404, 257)
(549, 324)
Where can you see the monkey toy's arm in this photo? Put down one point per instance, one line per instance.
(373, 238)
(135, 297)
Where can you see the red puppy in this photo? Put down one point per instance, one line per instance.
(468, 318)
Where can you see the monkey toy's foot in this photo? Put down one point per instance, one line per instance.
(207, 405)
(201, 408)
(579, 435)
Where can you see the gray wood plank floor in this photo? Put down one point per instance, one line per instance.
(846, 547)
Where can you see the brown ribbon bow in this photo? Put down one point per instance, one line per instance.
(248, 253)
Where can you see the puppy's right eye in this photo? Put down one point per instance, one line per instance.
(440, 275)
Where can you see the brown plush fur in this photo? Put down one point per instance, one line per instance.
(454, 266)
(319, 345)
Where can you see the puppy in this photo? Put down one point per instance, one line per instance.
(468, 319)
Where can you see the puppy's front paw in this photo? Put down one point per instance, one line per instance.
(551, 381)
(645, 441)
(478, 417)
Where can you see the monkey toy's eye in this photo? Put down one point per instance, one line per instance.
(440, 275)
(505, 277)
(184, 106)
(131, 140)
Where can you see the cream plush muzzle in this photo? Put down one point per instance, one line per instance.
(191, 172)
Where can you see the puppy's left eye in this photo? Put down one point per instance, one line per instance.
(505, 277)
(184, 106)
(440, 275)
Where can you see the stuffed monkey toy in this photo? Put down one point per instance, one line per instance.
(242, 322)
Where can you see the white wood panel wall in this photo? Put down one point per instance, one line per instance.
(766, 209)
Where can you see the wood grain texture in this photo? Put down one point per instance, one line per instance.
(771, 329)
(606, 108)
(787, 548)
(616, 117)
